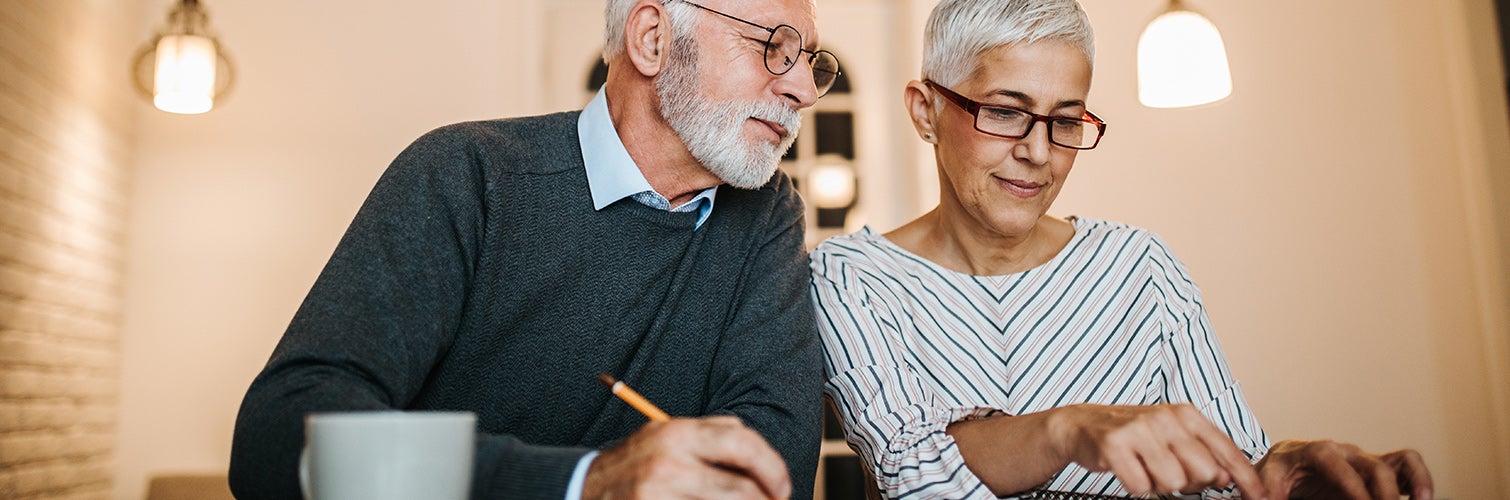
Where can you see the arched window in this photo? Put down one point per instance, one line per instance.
(825, 145)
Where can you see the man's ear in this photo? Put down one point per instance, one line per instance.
(920, 109)
(647, 36)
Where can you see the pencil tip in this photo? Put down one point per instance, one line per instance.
(606, 380)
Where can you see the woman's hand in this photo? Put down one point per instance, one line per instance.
(1327, 469)
(1153, 449)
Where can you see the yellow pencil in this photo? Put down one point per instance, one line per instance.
(634, 399)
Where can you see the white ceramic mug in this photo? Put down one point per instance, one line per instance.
(388, 455)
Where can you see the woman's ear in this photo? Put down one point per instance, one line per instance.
(920, 109)
(647, 37)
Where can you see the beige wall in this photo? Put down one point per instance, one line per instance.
(65, 157)
(236, 210)
(1481, 105)
(1339, 263)
(1337, 258)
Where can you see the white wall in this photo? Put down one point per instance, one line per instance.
(1338, 263)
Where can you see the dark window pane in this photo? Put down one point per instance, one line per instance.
(836, 134)
(843, 479)
(791, 153)
(832, 427)
(598, 77)
(841, 85)
(832, 217)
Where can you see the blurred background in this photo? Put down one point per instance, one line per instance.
(1346, 210)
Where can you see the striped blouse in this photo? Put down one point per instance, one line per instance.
(910, 347)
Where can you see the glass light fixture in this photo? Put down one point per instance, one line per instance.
(189, 69)
(1182, 61)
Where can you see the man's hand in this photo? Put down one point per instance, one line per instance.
(711, 457)
(1155, 449)
(1327, 469)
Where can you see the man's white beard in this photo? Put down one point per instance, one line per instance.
(714, 131)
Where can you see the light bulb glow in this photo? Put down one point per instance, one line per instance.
(832, 184)
(1182, 62)
(185, 78)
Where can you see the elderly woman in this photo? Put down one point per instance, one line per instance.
(987, 348)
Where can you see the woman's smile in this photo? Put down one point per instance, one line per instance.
(1020, 188)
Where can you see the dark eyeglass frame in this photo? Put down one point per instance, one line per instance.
(812, 55)
(974, 107)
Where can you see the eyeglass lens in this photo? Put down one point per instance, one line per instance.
(784, 48)
(1008, 122)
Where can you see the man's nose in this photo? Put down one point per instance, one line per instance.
(798, 84)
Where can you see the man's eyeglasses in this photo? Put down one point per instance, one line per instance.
(1014, 123)
(784, 48)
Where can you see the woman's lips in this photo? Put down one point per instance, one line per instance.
(1020, 188)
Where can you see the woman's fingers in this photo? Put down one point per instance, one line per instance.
(1313, 468)
(1123, 462)
(1411, 472)
(1165, 467)
(1202, 470)
(1234, 466)
(1379, 477)
(1164, 449)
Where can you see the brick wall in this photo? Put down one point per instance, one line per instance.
(66, 115)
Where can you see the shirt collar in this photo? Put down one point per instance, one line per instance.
(611, 174)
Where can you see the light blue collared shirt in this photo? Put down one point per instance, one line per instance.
(612, 175)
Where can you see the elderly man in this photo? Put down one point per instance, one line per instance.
(499, 266)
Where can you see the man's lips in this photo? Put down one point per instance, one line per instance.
(1019, 187)
(780, 131)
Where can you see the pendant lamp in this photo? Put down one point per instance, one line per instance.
(183, 68)
(1182, 61)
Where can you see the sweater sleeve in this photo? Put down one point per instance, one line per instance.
(381, 315)
(766, 370)
(895, 424)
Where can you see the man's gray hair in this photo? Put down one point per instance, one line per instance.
(959, 31)
(616, 13)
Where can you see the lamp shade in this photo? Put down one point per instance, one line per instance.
(1182, 61)
(185, 78)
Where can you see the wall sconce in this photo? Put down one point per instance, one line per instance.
(831, 188)
(188, 69)
(1182, 61)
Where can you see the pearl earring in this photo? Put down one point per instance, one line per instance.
(928, 135)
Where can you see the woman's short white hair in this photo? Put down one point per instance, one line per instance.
(616, 13)
(959, 31)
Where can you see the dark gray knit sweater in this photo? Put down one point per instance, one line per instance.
(478, 277)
